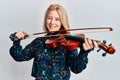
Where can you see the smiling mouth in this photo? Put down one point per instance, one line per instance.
(52, 27)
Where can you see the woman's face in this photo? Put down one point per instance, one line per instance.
(53, 22)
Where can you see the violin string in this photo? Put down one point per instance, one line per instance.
(34, 36)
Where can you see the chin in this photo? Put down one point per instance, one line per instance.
(53, 30)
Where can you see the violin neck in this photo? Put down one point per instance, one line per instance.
(74, 38)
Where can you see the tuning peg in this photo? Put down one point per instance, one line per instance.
(110, 44)
(98, 49)
(104, 41)
(104, 54)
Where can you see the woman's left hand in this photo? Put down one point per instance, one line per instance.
(89, 44)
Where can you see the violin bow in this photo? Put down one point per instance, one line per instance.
(97, 28)
(35, 35)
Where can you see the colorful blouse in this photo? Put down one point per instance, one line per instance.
(49, 63)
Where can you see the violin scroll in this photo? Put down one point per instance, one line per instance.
(108, 49)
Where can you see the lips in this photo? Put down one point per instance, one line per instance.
(52, 27)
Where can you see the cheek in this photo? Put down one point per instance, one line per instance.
(46, 24)
(60, 25)
(47, 21)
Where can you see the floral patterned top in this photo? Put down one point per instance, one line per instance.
(49, 63)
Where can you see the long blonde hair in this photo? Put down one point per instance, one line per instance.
(62, 13)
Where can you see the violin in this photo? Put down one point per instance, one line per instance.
(70, 42)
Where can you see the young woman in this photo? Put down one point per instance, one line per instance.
(51, 63)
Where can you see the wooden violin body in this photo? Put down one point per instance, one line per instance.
(71, 42)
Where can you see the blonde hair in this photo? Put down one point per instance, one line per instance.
(62, 13)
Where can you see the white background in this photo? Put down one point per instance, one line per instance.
(29, 14)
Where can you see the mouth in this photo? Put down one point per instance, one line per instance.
(52, 27)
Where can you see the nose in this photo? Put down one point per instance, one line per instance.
(53, 21)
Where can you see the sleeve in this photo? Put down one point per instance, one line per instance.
(78, 62)
(19, 54)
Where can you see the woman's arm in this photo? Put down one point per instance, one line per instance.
(78, 62)
(20, 54)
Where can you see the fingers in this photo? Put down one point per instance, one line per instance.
(21, 35)
(89, 44)
(95, 44)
